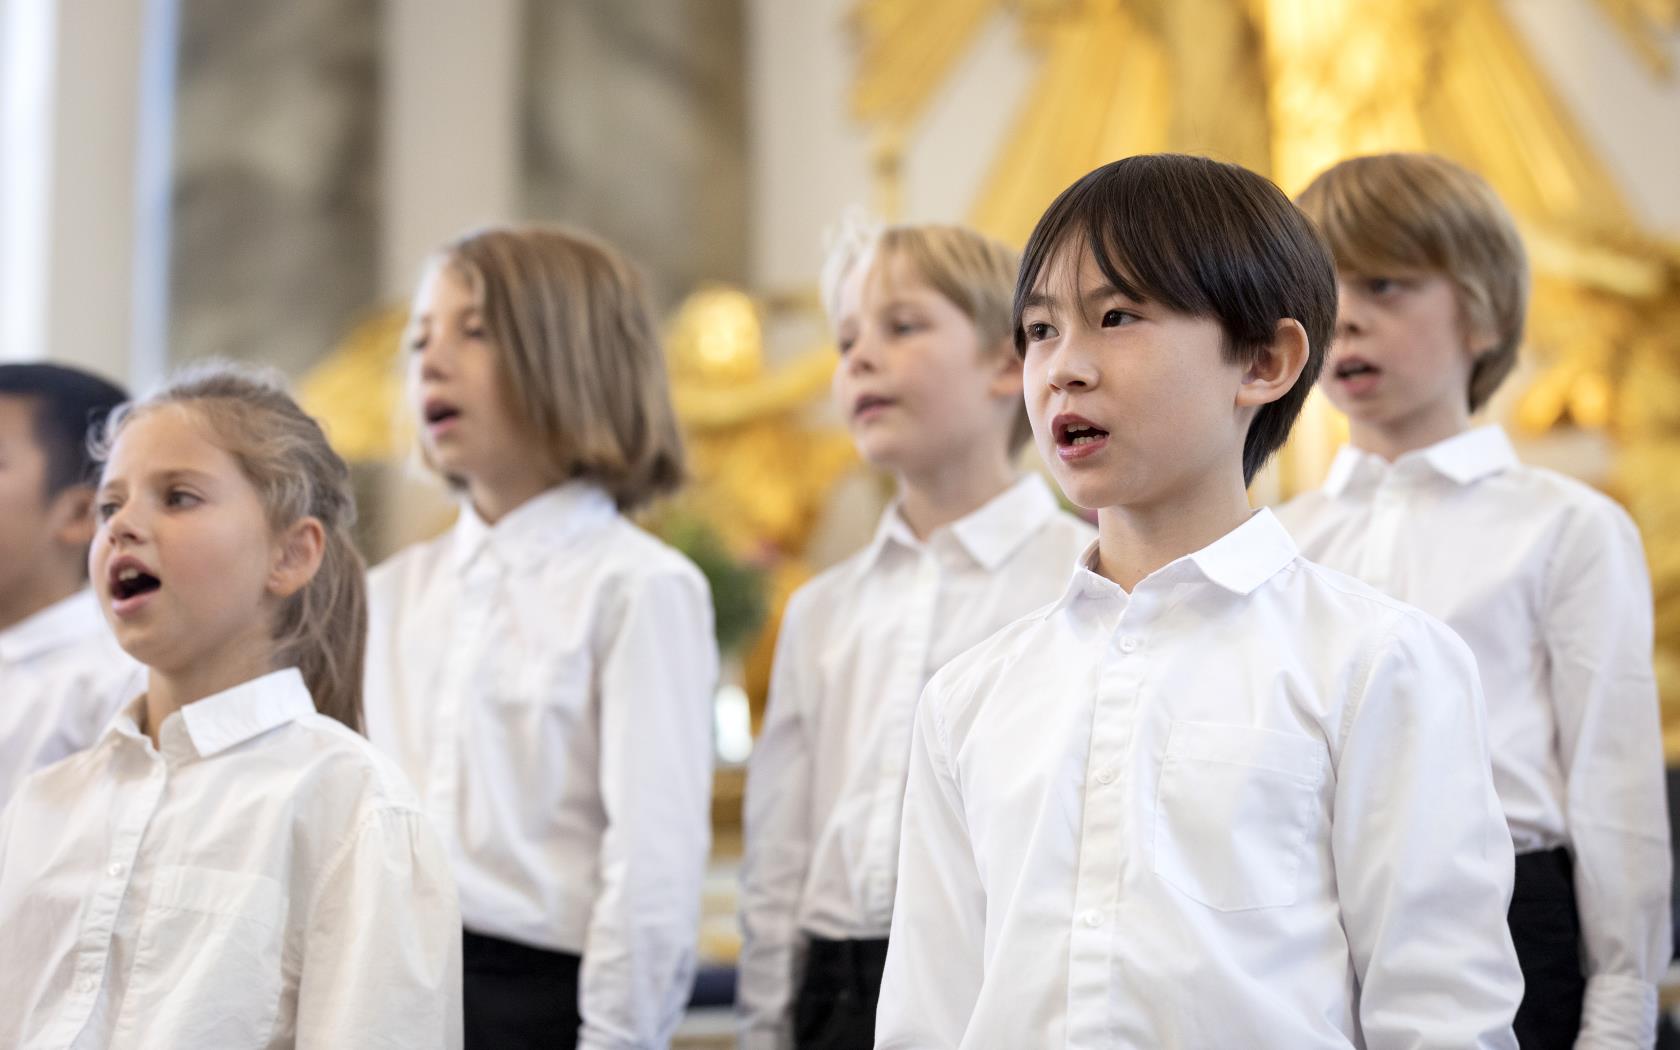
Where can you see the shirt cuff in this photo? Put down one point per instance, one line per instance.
(1620, 1013)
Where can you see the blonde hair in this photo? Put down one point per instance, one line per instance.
(1419, 211)
(975, 273)
(582, 367)
(282, 451)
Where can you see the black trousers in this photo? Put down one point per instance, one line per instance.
(515, 997)
(835, 1008)
(1547, 931)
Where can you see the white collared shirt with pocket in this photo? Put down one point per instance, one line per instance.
(262, 879)
(826, 785)
(62, 678)
(1246, 805)
(548, 684)
(1545, 579)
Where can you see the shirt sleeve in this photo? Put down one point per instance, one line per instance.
(656, 685)
(935, 954)
(779, 833)
(382, 953)
(1422, 853)
(1598, 643)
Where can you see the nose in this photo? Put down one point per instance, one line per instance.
(1350, 311)
(1071, 367)
(864, 355)
(125, 525)
(432, 358)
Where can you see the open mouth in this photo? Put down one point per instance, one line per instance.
(436, 413)
(869, 403)
(1072, 433)
(1353, 368)
(130, 581)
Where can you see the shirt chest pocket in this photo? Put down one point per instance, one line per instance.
(208, 960)
(1235, 812)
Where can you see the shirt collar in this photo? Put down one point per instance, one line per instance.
(1463, 458)
(226, 719)
(61, 623)
(1239, 561)
(535, 528)
(989, 534)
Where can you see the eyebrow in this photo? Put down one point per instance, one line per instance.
(166, 477)
(1103, 291)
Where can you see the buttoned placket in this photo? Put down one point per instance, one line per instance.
(147, 773)
(914, 630)
(480, 584)
(1105, 826)
(1382, 536)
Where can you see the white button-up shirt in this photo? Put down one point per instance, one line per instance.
(261, 879)
(1546, 581)
(826, 786)
(1246, 805)
(548, 683)
(62, 678)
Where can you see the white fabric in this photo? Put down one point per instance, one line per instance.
(826, 785)
(62, 678)
(1546, 580)
(548, 684)
(263, 879)
(1247, 805)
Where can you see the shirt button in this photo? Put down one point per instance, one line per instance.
(1128, 644)
(1093, 918)
(114, 870)
(1105, 777)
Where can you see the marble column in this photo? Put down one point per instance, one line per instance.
(275, 246)
(635, 129)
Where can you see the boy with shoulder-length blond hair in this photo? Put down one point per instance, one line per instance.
(931, 390)
(1542, 576)
(544, 671)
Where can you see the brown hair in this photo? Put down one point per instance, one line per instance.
(321, 629)
(1203, 238)
(975, 273)
(582, 365)
(1419, 211)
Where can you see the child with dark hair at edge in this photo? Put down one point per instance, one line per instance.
(62, 674)
(1215, 795)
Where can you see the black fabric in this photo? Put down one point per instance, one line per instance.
(1546, 929)
(835, 1008)
(515, 997)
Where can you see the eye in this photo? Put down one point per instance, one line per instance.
(844, 345)
(1038, 331)
(106, 509)
(474, 331)
(417, 343)
(181, 498)
(1116, 318)
(1381, 285)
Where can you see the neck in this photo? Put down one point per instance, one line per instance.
(1395, 438)
(1137, 539)
(169, 690)
(932, 499)
(496, 498)
(44, 588)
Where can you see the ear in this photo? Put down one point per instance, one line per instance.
(297, 557)
(1274, 371)
(1480, 338)
(71, 514)
(1007, 377)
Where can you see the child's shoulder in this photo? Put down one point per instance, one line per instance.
(1574, 503)
(1363, 620)
(339, 767)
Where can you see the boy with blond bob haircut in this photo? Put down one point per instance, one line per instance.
(931, 391)
(1542, 576)
(62, 675)
(1215, 795)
